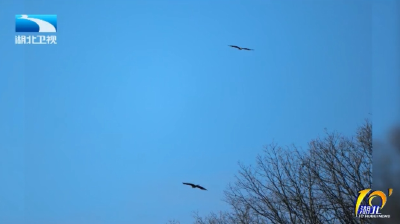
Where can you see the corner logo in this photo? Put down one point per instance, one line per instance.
(36, 23)
(368, 210)
(39, 24)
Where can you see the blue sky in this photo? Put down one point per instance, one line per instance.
(140, 96)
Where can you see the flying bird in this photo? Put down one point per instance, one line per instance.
(241, 48)
(195, 186)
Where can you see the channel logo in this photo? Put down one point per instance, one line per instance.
(36, 23)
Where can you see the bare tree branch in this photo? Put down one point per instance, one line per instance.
(289, 185)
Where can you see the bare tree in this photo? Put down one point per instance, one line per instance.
(173, 222)
(289, 185)
(213, 218)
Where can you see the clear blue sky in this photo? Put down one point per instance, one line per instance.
(139, 96)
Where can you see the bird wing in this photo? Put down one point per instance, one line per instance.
(247, 49)
(201, 187)
(234, 46)
(189, 184)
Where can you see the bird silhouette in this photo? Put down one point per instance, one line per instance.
(241, 48)
(196, 186)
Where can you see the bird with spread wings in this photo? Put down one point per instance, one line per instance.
(195, 186)
(241, 48)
